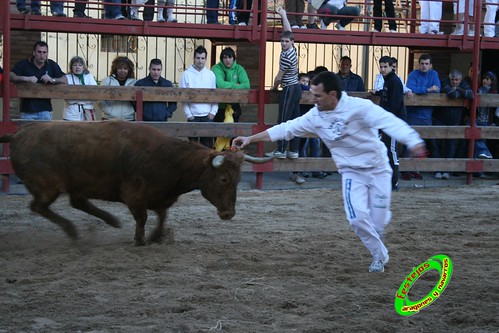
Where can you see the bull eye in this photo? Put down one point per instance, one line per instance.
(224, 180)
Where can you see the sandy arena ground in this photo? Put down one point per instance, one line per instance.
(288, 262)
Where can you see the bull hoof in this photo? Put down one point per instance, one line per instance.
(166, 235)
(140, 242)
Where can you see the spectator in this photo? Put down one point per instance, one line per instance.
(295, 8)
(378, 13)
(122, 75)
(156, 111)
(212, 11)
(379, 80)
(455, 88)
(77, 110)
(134, 10)
(198, 76)
(312, 16)
(335, 7)
(422, 81)
(360, 156)
(459, 13)
(351, 81)
(484, 114)
(37, 69)
(80, 8)
(431, 10)
(112, 10)
(56, 7)
(392, 100)
(309, 146)
(230, 75)
(243, 17)
(289, 99)
(489, 28)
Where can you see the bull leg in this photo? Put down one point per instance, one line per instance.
(140, 216)
(84, 205)
(159, 233)
(40, 205)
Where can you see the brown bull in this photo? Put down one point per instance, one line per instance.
(122, 162)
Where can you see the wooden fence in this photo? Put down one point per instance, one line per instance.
(184, 129)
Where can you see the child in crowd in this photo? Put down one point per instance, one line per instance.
(79, 75)
(309, 146)
(484, 114)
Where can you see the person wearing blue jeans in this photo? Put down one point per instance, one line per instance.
(212, 11)
(336, 7)
(56, 7)
(112, 10)
(38, 69)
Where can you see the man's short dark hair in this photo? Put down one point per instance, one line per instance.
(425, 57)
(330, 81)
(200, 50)
(155, 61)
(345, 58)
(387, 60)
(227, 52)
(288, 34)
(320, 69)
(40, 43)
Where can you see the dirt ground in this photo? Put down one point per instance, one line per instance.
(288, 262)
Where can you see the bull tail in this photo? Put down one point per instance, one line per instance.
(6, 138)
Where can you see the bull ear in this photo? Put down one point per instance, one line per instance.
(218, 161)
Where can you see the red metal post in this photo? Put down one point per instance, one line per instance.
(261, 89)
(474, 83)
(5, 15)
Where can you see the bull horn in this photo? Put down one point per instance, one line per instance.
(218, 161)
(257, 160)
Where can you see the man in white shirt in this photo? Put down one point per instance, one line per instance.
(349, 127)
(198, 76)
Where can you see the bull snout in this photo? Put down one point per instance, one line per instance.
(226, 214)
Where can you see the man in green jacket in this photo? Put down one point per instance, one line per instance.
(230, 75)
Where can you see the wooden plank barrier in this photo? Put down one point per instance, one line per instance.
(184, 129)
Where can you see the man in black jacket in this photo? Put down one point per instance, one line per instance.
(392, 100)
(156, 111)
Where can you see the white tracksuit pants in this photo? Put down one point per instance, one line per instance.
(430, 10)
(367, 198)
(489, 30)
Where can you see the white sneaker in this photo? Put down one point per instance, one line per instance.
(375, 30)
(339, 27)
(303, 27)
(457, 32)
(295, 27)
(242, 24)
(172, 20)
(445, 175)
(276, 154)
(377, 267)
(438, 175)
(483, 156)
(292, 154)
(393, 31)
(297, 178)
(160, 19)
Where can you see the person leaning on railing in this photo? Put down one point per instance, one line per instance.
(37, 69)
(122, 75)
(79, 75)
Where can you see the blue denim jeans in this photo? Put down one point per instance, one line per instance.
(480, 145)
(55, 6)
(42, 115)
(110, 12)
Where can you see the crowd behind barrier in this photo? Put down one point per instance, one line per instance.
(423, 16)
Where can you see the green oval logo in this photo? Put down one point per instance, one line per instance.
(439, 262)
